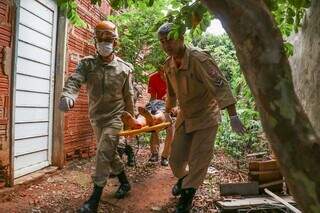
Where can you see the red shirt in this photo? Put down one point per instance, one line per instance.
(157, 87)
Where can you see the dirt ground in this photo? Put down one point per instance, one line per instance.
(66, 189)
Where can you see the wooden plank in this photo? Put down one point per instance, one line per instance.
(268, 165)
(251, 188)
(58, 151)
(33, 37)
(283, 201)
(27, 130)
(35, 23)
(234, 204)
(254, 166)
(265, 176)
(30, 99)
(25, 146)
(263, 165)
(32, 84)
(31, 114)
(32, 68)
(34, 53)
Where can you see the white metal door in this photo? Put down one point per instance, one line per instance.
(33, 94)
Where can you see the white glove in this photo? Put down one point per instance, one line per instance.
(237, 125)
(66, 104)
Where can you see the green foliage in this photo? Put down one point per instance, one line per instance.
(138, 43)
(69, 7)
(288, 13)
(224, 53)
(193, 15)
(119, 4)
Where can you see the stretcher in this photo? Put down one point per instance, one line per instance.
(154, 128)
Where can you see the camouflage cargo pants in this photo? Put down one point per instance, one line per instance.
(107, 158)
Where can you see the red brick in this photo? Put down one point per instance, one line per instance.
(79, 138)
(5, 41)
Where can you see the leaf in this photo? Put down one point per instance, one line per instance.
(288, 48)
(272, 4)
(115, 4)
(150, 3)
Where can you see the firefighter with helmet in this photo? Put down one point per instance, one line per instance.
(108, 81)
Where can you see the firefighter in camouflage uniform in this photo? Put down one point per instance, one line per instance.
(110, 92)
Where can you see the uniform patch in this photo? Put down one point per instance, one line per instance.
(213, 73)
(218, 82)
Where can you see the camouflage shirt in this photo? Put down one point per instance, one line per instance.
(200, 88)
(109, 88)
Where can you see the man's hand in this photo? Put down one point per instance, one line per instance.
(174, 111)
(237, 125)
(168, 117)
(66, 104)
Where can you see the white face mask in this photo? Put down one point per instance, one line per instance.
(104, 48)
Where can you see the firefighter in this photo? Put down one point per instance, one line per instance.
(108, 81)
(196, 83)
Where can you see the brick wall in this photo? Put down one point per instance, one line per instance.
(78, 136)
(5, 46)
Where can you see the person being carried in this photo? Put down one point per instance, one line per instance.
(124, 146)
(157, 88)
(144, 118)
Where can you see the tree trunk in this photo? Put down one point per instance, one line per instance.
(259, 47)
(305, 64)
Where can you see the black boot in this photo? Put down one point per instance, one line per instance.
(185, 201)
(120, 151)
(91, 205)
(176, 189)
(124, 187)
(129, 152)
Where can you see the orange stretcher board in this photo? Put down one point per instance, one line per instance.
(134, 132)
